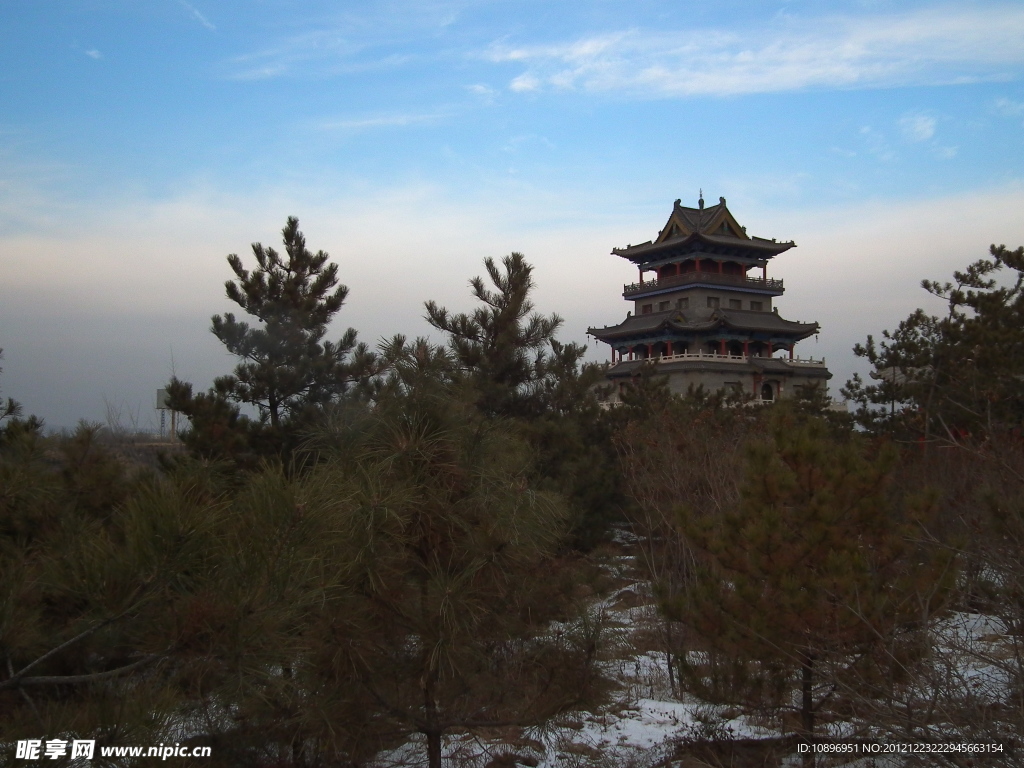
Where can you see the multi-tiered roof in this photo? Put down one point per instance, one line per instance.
(697, 308)
(703, 230)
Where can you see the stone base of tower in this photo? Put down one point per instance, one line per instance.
(752, 378)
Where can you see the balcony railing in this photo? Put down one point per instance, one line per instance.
(757, 283)
(692, 356)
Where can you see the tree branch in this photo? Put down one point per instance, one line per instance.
(80, 636)
(21, 681)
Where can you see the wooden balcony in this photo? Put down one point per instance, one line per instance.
(808, 362)
(635, 290)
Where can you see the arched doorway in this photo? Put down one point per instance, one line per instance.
(767, 392)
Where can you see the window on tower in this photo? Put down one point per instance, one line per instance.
(646, 309)
(735, 304)
(663, 306)
(757, 306)
(683, 303)
(713, 302)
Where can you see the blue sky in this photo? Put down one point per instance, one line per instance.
(141, 142)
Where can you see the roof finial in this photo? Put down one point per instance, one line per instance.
(700, 202)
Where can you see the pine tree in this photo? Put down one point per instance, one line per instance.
(97, 563)
(131, 605)
(803, 584)
(11, 408)
(287, 369)
(16, 427)
(957, 374)
(441, 540)
(507, 356)
(501, 346)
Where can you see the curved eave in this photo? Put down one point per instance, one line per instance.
(757, 248)
(778, 326)
(676, 333)
(738, 322)
(630, 330)
(744, 289)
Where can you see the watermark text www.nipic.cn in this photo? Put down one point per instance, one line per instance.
(53, 749)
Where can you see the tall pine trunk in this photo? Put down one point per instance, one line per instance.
(807, 704)
(428, 681)
(433, 748)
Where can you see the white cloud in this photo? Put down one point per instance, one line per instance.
(917, 126)
(484, 94)
(380, 121)
(876, 143)
(516, 142)
(295, 53)
(930, 46)
(92, 53)
(525, 82)
(342, 59)
(195, 13)
(360, 38)
(1009, 108)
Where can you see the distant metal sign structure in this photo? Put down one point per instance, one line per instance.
(163, 405)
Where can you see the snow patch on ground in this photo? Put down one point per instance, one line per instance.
(643, 724)
(640, 727)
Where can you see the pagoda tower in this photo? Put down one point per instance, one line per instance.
(704, 311)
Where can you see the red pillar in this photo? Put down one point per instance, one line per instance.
(746, 348)
(721, 347)
(719, 267)
(679, 269)
(697, 263)
(641, 275)
(650, 350)
(791, 351)
(630, 353)
(764, 272)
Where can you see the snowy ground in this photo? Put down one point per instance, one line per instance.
(639, 728)
(643, 724)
